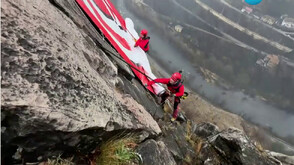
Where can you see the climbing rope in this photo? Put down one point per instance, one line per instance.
(120, 58)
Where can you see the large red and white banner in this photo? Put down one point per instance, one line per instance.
(121, 34)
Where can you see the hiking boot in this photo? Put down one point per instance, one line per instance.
(173, 119)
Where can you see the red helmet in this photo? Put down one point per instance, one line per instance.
(176, 76)
(144, 32)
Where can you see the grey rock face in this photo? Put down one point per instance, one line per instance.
(175, 138)
(155, 153)
(232, 147)
(58, 96)
(57, 86)
(135, 89)
(71, 9)
(281, 158)
(205, 130)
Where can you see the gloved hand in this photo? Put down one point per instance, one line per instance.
(172, 95)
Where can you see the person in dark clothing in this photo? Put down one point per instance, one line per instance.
(175, 88)
(143, 41)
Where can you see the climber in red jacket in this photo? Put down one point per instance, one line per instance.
(143, 41)
(175, 87)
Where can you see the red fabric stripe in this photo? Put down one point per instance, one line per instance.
(143, 78)
(102, 6)
(118, 37)
(117, 14)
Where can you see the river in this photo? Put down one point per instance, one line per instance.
(253, 109)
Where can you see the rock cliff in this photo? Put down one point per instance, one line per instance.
(62, 95)
(58, 88)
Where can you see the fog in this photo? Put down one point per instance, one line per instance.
(172, 59)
